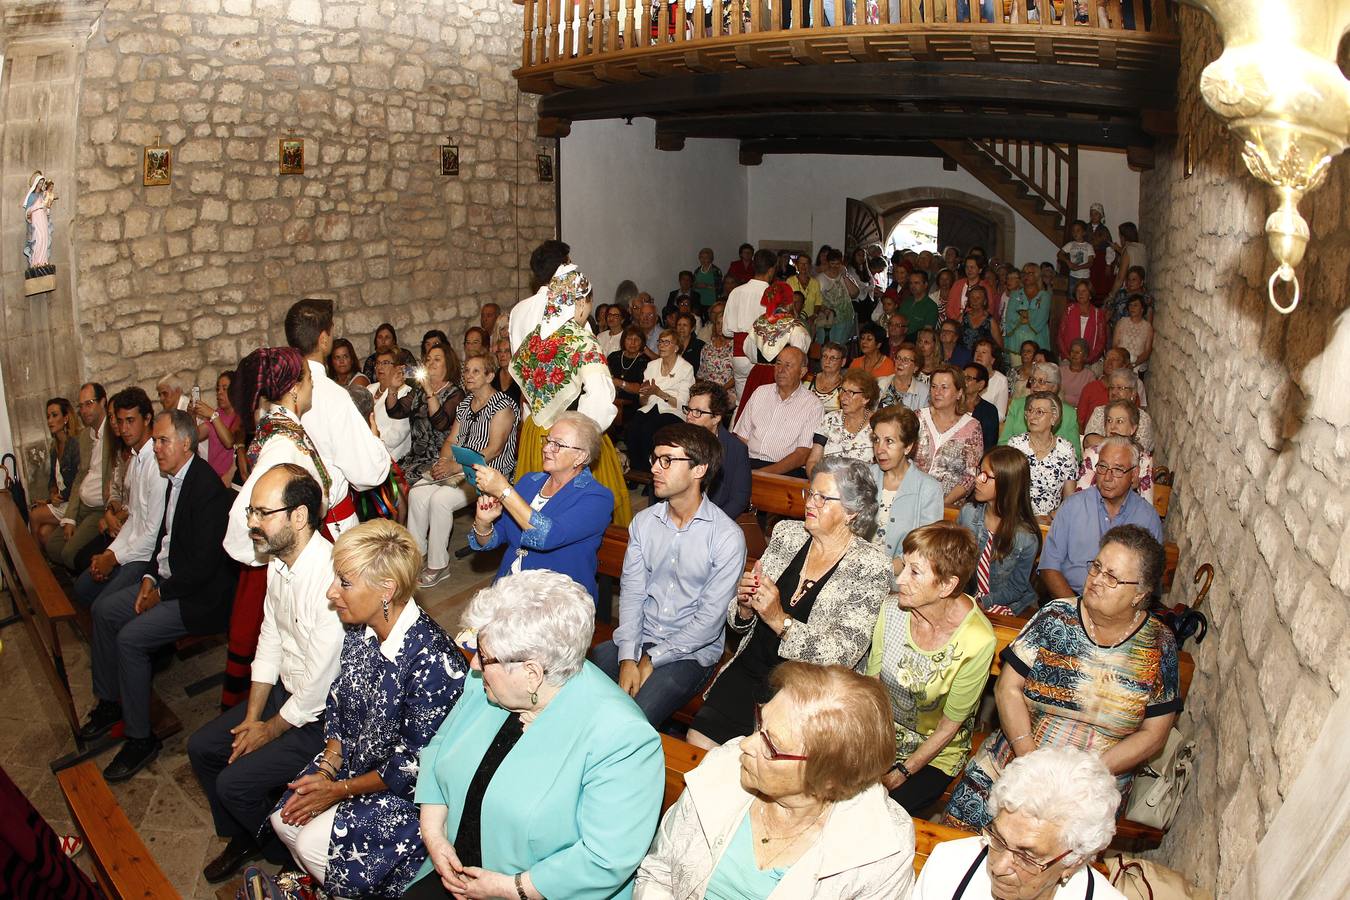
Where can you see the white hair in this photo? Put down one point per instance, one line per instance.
(1048, 371)
(1126, 377)
(1068, 788)
(1120, 440)
(173, 381)
(540, 615)
(588, 433)
(857, 491)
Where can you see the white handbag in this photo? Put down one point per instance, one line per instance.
(1161, 782)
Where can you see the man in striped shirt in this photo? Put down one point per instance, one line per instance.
(780, 419)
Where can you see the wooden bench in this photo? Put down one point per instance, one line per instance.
(122, 863)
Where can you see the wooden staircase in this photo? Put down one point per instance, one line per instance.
(1038, 180)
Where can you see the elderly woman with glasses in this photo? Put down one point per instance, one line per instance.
(553, 519)
(1051, 813)
(813, 596)
(664, 390)
(708, 406)
(795, 809)
(846, 431)
(349, 818)
(1044, 377)
(1096, 673)
(545, 780)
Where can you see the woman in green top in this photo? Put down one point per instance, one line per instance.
(932, 650)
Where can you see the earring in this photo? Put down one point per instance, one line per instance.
(534, 698)
(384, 603)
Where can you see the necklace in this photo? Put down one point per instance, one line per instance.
(766, 838)
(1092, 629)
(806, 584)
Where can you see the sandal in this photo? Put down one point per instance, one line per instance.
(432, 577)
(71, 845)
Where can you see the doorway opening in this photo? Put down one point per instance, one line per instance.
(917, 230)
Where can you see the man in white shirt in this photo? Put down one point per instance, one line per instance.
(526, 315)
(354, 457)
(128, 556)
(171, 394)
(89, 493)
(780, 420)
(744, 306)
(248, 754)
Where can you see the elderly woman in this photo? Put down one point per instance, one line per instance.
(827, 382)
(950, 442)
(1074, 374)
(627, 366)
(872, 357)
(907, 387)
(661, 396)
(1135, 333)
(1026, 316)
(348, 818)
(813, 596)
(949, 349)
(63, 464)
(1045, 376)
(485, 422)
(1083, 320)
(579, 795)
(1121, 384)
(907, 497)
(845, 431)
(1095, 673)
(1006, 531)
(1054, 468)
(707, 407)
(714, 360)
(430, 406)
(1050, 814)
(554, 519)
(793, 810)
(1122, 419)
(931, 649)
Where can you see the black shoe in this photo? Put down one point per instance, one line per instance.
(101, 720)
(238, 851)
(136, 754)
(464, 552)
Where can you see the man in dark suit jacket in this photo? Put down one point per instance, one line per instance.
(187, 589)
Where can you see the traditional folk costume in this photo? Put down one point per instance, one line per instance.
(776, 329)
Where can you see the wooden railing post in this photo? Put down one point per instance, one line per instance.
(527, 44)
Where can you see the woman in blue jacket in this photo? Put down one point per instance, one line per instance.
(545, 780)
(554, 519)
(907, 497)
(1004, 525)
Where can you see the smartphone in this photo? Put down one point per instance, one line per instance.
(196, 395)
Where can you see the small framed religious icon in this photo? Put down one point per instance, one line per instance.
(1188, 156)
(291, 156)
(545, 168)
(450, 159)
(158, 166)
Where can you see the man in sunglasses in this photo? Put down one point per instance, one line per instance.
(685, 557)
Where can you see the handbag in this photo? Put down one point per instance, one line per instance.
(1143, 879)
(9, 480)
(1158, 786)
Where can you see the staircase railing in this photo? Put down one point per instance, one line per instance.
(1049, 171)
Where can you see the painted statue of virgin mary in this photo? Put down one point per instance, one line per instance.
(37, 205)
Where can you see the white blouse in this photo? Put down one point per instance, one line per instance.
(677, 384)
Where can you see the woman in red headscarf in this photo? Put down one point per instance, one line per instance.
(777, 328)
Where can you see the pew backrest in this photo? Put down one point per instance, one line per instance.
(122, 863)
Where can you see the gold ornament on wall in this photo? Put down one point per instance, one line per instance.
(1278, 87)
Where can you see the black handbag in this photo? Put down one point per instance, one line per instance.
(10, 481)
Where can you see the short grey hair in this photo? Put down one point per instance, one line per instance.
(172, 381)
(1126, 377)
(1048, 371)
(1119, 440)
(857, 491)
(184, 425)
(588, 432)
(1067, 788)
(537, 614)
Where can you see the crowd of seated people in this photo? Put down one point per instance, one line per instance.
(361, 749)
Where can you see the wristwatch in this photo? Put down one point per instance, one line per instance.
(506, 492)
(788, 622)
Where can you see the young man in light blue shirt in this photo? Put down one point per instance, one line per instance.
(685, 557)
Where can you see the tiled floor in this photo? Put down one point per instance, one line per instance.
(163, 801)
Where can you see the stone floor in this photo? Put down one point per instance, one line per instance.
(163, 801)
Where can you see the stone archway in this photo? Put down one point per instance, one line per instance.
(891, 206)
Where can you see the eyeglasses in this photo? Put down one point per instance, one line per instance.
(850, 392)
(1096, 571)
(773, 751)
(251, 511)
(814, 497)
(484, 660)
(1044, 382)
(666, 460)
(1020, 859)
(696, 412)
(550, 443)
(984, 477)
(1117, 471)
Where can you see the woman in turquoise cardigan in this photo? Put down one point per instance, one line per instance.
(545, 780)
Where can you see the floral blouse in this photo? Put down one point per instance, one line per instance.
(714, 362)
(1049, 474)
(952, 456)
(837, 440)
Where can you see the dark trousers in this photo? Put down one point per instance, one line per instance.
(242, 793)
(921, 790)
(667, 689)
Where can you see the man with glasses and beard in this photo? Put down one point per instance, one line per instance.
(245, 757)
(684, 559)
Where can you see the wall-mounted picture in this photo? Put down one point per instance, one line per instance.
(158, 166)
(545, 168)
(291, 156)
(1188, 157)
(450, 159)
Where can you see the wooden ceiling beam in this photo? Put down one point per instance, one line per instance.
(840, 146)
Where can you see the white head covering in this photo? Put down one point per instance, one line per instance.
(567, 286)
(37, 179)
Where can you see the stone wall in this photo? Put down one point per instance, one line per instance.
(190, 277)
(1254, 417)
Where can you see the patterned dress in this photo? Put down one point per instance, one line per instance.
(836, 440)
(385, 713)
(714, 362)
(951, 456)
(1079, 694)
(1049, 474)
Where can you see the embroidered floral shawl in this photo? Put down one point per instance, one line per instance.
(548, 369)
(284, 426)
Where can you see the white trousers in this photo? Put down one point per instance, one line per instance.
(740, 369)
(308, 843)
(431, 518)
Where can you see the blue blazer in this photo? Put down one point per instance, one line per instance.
(577, 800)
(917, 503)
(1010, 577)
(566, 533)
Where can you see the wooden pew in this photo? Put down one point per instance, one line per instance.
(123, 866)
(778, 495)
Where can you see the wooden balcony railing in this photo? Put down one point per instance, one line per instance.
(560, 34)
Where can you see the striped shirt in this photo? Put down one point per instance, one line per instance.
(475, 429)
(773, 427)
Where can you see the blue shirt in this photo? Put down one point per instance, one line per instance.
(1076, 534)
(738, 875)
(678, 584)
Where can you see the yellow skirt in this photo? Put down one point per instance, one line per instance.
(607, 470)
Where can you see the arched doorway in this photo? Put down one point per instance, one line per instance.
(963, 220)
